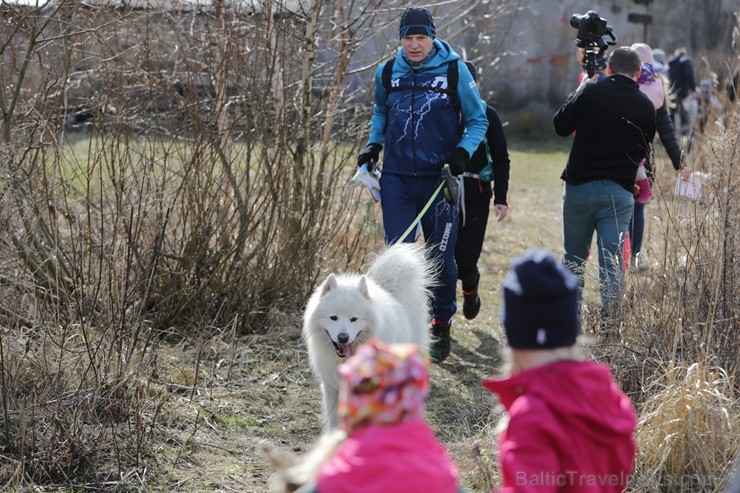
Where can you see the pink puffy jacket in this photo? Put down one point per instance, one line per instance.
(400, 458)
(571, 429)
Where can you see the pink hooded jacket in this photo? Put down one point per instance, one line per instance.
(570, 430)
(398, 458)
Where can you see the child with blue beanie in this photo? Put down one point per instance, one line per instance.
(570, 428)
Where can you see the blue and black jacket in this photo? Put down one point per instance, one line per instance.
(419, 126)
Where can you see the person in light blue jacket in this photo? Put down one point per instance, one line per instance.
(424, 121)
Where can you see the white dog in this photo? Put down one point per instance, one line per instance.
(390, 303)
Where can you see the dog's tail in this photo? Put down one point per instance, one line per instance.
(402, 267)
(293, 471)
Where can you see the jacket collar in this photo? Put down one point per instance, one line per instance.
(623, 79)
(509, 388)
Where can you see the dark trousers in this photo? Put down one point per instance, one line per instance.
(637, 228)
(470, 238)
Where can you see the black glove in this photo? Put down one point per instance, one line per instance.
(370, 156)
(457, 161)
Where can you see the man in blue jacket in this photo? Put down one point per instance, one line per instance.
(422, 124)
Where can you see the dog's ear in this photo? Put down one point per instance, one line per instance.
(362, 287)
(329, 284)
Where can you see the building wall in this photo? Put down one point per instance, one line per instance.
(542, 68)
(526, 50)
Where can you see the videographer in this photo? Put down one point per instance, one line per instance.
(614, 124)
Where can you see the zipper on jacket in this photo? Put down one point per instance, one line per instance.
(413, 133)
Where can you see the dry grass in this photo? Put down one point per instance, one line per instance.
(207, 401)
(149, 338)
(679, 357)
(686, 400)
(688, 430)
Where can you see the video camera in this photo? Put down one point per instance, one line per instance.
(591, 31)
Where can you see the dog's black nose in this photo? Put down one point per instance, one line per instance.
(343, 338)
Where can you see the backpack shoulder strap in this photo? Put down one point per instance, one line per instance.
(386, 75)
(453, 76)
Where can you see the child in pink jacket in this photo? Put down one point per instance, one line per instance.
(389, 447)
(383, 444)
(570, 428)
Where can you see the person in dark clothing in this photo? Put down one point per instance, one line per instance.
(477, 198)
(683, 84)
(614, 124)
(651, 84)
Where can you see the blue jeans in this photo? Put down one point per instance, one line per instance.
(605, 207)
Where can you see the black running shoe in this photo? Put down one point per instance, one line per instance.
(471, 303)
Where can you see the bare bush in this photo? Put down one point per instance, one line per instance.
(198, 196)
(166, 173)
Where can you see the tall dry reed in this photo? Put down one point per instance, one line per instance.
(680, 344)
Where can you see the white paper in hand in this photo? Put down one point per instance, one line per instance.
(371, 180)
(691, 188)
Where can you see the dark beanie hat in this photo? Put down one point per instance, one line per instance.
(416, 20)
(540, 303)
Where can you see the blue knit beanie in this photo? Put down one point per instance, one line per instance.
(540, 308)
(416, 20)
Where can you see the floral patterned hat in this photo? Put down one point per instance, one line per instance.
(382, 384)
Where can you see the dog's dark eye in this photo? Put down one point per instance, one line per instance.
(353, 319)
(334, 317)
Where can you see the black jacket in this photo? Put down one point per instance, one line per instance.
(667, 134)
(476, 189)
(681, 74)
(614, 125)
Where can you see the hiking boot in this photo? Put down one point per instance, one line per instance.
(471, 303)
(440, 349)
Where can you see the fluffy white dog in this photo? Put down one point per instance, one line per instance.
(390, 303)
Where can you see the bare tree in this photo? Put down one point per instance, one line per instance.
(167, 170)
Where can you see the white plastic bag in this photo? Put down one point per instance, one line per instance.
(690, 188)
(371, 180)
